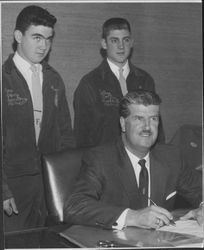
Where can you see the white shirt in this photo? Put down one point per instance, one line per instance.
(24, 67)
(134, 160)
(115, 69)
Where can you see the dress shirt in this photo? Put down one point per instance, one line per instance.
(24, 67)
(134, 160)
(115, 69)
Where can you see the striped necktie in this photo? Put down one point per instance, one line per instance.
(37, 99)
(122, 81)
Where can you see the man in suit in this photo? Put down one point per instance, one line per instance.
(36, 118)
(133, 181)
(96, 99)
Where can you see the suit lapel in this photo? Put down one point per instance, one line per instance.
(158, 175)
(127, 177)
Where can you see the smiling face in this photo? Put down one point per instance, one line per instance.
(118, 45)
(35, 43)
(140, 128)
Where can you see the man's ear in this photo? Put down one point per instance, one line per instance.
(103, 43)
(18, 36)
(122, 124)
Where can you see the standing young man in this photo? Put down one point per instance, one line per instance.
(36, 118)
(97, 96)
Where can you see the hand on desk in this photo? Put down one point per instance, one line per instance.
(10, 206)
(197, 214)
(149, 217)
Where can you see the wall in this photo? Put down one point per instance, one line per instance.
(168, 45)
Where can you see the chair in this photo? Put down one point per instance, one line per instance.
(188, 138)
(60, 171)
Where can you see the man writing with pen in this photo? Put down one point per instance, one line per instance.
(133, 181)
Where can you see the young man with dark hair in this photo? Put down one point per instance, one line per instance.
(36, 118)
(119, 185)
(97, 96)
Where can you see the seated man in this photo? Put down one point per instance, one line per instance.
(112, 192)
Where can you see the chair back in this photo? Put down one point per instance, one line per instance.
(60, 171)
(188, 139)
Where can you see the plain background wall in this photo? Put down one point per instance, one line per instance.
(168, 45)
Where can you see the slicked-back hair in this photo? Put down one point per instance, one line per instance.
(115, 23)
(145, 98)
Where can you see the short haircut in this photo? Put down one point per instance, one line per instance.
(143, 97)
(115, 23)
(33, 15)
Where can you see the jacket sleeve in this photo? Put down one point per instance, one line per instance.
(64, 120)
(6, 191)
(86, 205)
(88, 120)
(5, 188)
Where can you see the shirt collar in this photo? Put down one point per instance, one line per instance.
(135, 159)
(22, 64)
(115, 69)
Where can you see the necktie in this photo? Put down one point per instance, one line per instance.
(37, 99)
(143, 182)
(122, 81)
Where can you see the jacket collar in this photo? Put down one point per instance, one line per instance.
(9, 65)
(105, 68)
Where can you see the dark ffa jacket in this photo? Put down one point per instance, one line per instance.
(96, 102)
(21, 155)
(107, 185)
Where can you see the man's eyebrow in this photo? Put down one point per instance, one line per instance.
(40, 35)
(115, 37)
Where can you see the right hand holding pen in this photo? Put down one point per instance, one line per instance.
(149, 217)
(10, 207)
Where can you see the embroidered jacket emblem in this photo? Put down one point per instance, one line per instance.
(14, 98)
(108, 99)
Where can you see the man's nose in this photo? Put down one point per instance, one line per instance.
(43, 44)
(146, 123)
(120, 44)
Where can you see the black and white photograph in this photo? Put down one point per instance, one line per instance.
(102, 124)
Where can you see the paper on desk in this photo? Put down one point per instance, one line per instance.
(185, 227)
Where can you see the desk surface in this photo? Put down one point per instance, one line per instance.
(91, 237)
(62, 236)
(44, 237)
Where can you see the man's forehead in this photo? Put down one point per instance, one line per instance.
(40, 29)
(119, 32)
(140, 108)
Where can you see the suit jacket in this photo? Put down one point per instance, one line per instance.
(107, 184)
(96, 103)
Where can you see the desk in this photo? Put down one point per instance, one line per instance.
(92, 237)
(43, 237)
(76, 236)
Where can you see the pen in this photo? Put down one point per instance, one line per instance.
(172, 222)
